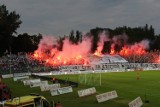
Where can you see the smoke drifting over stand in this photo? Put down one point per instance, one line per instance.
(72, 53)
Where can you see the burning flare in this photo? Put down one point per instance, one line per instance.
(70, 54)
(49, 55)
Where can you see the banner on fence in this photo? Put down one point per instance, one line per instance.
(27, 82)
(35, 83)
(21, 74)
(136, 102)
(20, 78)
(44, 83)
(106, 96)
(49, 87)
(61, 91)
(7, 76)
(86, 92)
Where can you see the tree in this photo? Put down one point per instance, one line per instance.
(9, 22)
(78, 36)
(135, 34)
(25, 43)
(71, 36)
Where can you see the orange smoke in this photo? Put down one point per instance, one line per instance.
(71, 54)
(137, 49)
(112, 51)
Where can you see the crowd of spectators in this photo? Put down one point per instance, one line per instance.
(148, 57)
(24, 63)
(18, 63)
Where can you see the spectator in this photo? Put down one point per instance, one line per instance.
(59, 104)
(0, 79)
(55, 104)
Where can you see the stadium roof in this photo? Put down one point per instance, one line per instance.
(106, 59)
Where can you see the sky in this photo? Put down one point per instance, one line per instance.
(59, 17)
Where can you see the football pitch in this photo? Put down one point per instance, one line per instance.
(129, 85)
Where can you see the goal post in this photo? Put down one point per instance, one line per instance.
(90, 79)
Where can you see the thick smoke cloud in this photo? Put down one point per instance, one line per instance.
(78, 53)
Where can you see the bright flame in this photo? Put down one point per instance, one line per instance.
(78, 53)
(112, 52)
(98, 53)
(70, 54)
(137, 49)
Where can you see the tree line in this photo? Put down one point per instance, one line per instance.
(11, 41)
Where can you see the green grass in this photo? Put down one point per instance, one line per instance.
(125, 83)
